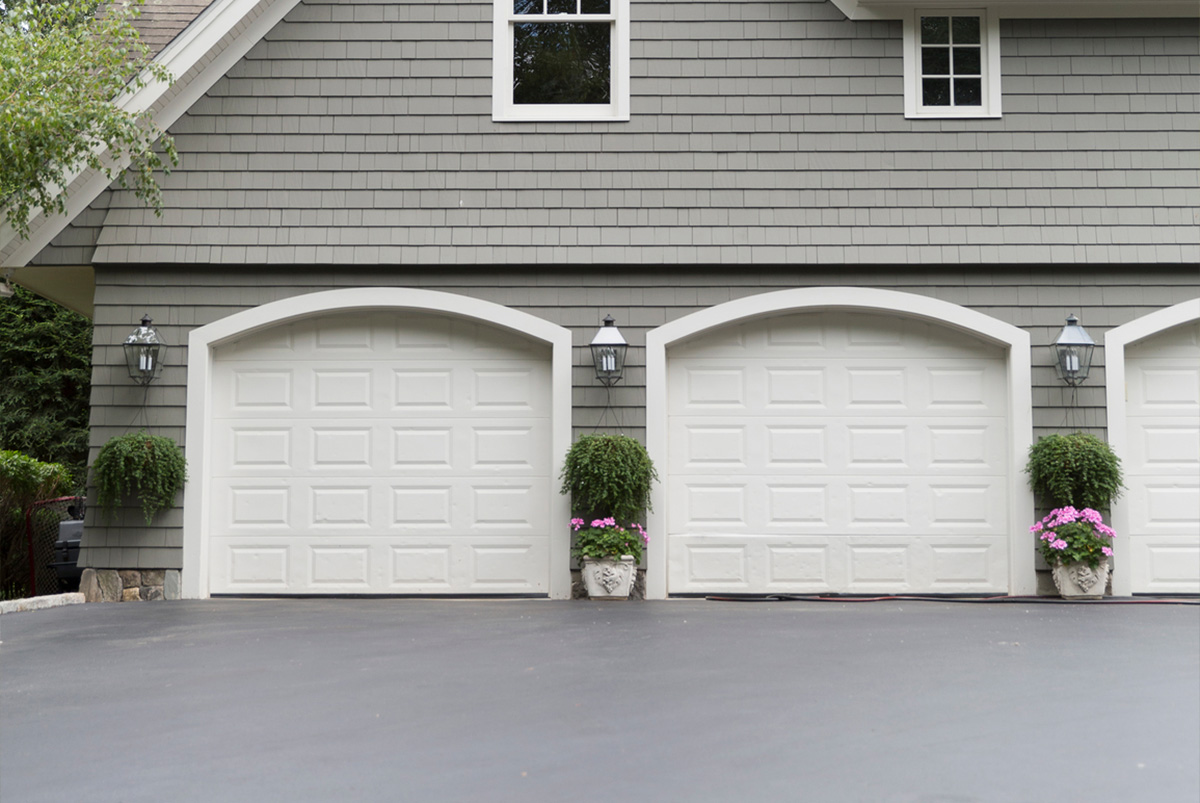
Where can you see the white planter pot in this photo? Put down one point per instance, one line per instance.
(608, 578)
(1080, 581)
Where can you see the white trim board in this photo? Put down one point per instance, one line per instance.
(1022, 578)
(1024, 9)
(1115, 342)
(202, 341)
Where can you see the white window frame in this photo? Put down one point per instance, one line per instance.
(503, 108)
(989, 38)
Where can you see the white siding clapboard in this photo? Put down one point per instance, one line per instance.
(837, 452)
(388, 453)
(1162, 461)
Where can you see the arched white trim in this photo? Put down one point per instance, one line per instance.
(1022, 579)
(203, 340)
(1115, 342)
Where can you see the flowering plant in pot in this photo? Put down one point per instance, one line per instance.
(609, 554)
(608, 478)
(1077, 545)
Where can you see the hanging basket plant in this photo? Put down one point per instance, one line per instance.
(1077, 470)
(150, 468)
(608, 475)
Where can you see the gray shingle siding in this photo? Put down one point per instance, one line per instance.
(768, 132)
(180, 299)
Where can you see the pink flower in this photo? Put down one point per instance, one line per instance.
(1037, 528)
(1106, 550)
(1049, 535)
(576, 524)
(1059, 544)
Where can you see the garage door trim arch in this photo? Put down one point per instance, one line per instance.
(1016, 342)
(203, 340)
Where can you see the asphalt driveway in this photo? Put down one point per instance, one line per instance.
(417, 700)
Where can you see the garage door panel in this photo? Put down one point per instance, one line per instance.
(480, 447)
(381, 454)
(815, 334)
(377, 565)
(1168, 389)
(839, 427)
(864, 387)
(391, 335)
(715, 445)
(732, 563)
(837, 504)
(1162, 461)
(1164, 448)
(1163, 506)
(1166, 564)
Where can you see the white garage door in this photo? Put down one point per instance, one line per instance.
(1162, 464)
(387, 453)
(837, 452)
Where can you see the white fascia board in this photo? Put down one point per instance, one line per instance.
(197, 45)
(1023, 9)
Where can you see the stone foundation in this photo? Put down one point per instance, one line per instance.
(129, 585)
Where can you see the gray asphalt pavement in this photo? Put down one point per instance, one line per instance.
(421, 700)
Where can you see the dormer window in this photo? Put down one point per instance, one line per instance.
(951, 64)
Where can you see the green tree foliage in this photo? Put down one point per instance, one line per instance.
(63, 66)
(608, 475)
(1078, 470)
(24, 480)
(149, 467)
(45, 371)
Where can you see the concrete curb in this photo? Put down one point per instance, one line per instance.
(40, 603)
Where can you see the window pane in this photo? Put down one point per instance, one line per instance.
(560, 7)
(594, 6)
(967, 92)
(935, 30)
(966, 61)
(561, 62)
(966, 30)
(527, 6)
(935, 91)
(935, 61)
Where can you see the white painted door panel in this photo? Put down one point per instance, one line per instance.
(381, 453)
(837, 452)
(1162, 463)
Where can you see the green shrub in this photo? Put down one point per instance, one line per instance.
(24, 480)
(149, 467)
(1077, 470)
(608, 475)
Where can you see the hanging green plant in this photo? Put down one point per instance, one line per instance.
(608, 475)
(1077, 470)
(149, 467)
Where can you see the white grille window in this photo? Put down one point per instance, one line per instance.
(561, 60)
(951, 65)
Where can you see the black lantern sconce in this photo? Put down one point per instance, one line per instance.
(1073, 353)
(608, 352)
(144, 351)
